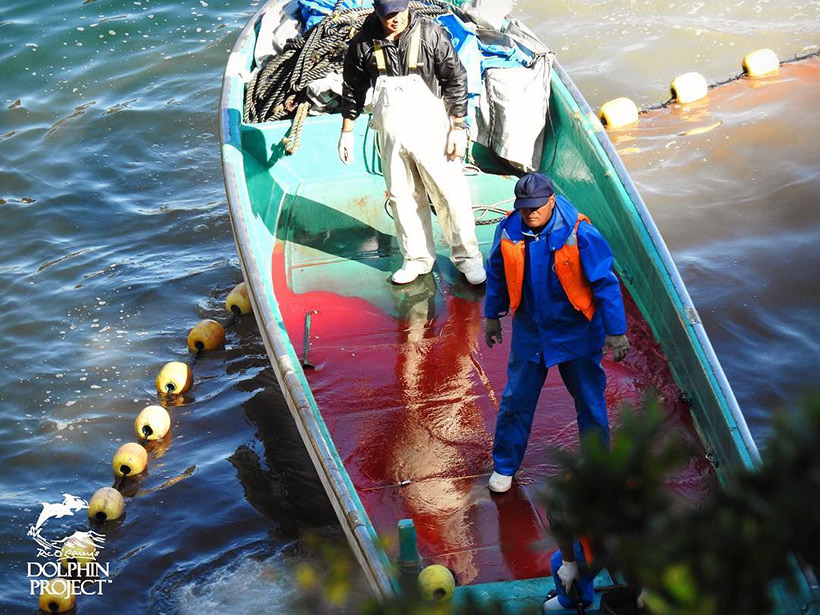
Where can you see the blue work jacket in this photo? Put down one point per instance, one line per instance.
(546, 324)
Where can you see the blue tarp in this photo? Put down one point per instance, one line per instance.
(477, 56)
(497, 56)
(466, 46)
(313, 11)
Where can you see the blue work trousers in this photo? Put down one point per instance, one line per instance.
(585, 380)
(586, 588)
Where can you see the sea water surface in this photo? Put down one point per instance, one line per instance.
(115, 240)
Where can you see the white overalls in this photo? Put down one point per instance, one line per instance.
(413, 128)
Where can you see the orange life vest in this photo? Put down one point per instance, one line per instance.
(567, 262)
(586, 545)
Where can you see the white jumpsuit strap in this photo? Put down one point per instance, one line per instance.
(413, 51)
(381, 61)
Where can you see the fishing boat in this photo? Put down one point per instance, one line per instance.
(391, 387)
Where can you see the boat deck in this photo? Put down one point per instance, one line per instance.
(403, 379)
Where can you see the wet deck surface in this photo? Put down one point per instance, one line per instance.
(410, 393)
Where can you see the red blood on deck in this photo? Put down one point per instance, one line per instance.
(411, 399)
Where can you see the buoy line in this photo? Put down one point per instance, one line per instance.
(152, 424)
(692, 87)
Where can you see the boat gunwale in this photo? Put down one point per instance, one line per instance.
(687, 312)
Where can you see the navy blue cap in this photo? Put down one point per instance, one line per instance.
(533, 190)
(385, 7)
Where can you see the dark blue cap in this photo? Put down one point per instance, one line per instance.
(385, 7)
(533, 190)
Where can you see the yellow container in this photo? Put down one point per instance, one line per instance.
(152, 423)
(437, 584)
(58, 597)
(206, 335)
(130, 459)
(106, 505)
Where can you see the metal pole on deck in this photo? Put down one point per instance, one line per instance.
(409, 560)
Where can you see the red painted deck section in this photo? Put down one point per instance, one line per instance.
(410, 399)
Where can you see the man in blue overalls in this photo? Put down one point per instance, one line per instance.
(553, 270)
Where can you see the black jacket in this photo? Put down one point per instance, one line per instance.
(439, 66)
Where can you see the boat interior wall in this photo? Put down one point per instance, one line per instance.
(578, 167)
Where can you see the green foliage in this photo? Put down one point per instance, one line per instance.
(719, 558)
(786, 488)
(612, 495)
(330, 582)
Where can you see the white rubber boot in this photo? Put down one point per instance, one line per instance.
(553, 605)
(404, 276)
(409, 271)
(475, 275)
(500, 483)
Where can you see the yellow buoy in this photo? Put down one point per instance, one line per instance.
(436, 584)
(130, 459)
(174, 378)
(57, 597)
(206, 335)
(106, 505)
(618, 112)
(689, 87)
(761, 63)
(152, 423)
(238, 300)
(77, 551)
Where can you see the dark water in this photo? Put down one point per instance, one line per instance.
(116, 239)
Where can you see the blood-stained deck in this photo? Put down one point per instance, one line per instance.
(409, 391)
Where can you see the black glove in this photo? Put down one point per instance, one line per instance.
(619, 345)
(492, 331)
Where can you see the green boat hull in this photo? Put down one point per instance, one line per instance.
(329, 225)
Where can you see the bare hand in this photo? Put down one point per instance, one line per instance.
(619, 345)
(492, 331)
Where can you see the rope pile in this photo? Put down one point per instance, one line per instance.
(278, 90)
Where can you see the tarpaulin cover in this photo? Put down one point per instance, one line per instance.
(466, 45)
(512, 117)
(313, 11)
(500, 56)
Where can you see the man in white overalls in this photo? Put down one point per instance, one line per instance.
(409, 60)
